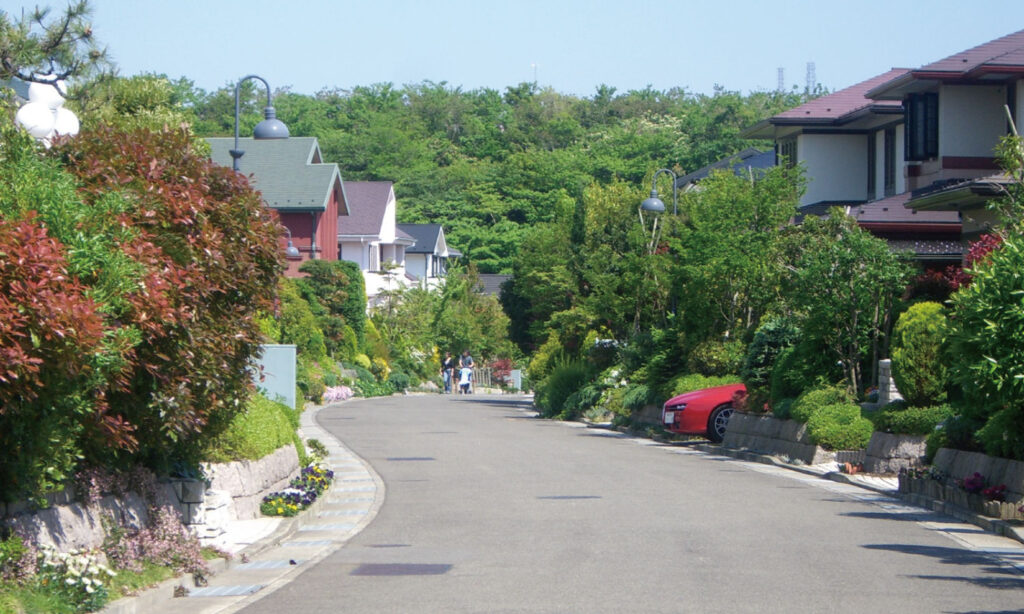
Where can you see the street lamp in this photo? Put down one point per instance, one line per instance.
(654, 204)
(269, 128)
(291, 251)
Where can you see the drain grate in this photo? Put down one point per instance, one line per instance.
(401, 569)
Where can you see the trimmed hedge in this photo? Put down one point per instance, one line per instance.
(808, 403)
(840, 427)
(899, 419)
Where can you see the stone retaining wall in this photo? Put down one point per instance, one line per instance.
(235, 492)
(773, 436)
(888, 453)
(959, 464)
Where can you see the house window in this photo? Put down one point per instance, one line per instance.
(889, 150)
(787, 152)
(922, 121)
(872, 161)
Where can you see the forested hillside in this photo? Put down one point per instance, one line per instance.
(489, 165)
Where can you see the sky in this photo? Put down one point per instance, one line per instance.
(571, 46)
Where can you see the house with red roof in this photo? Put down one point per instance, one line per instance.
(370, 237)
(307, 193)
(957, 110)
(851, 148)
(911, 153)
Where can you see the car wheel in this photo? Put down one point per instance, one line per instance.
(717, 422)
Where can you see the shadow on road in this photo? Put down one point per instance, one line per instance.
(1007, 578)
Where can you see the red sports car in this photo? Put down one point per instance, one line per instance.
(702, 412)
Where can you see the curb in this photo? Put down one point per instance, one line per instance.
(149, 599)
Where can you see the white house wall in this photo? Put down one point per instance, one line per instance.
(836, 166)
(416, 265)
(971, 119)
(356, 252)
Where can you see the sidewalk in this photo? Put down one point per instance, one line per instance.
(269, 552)
(886, 485)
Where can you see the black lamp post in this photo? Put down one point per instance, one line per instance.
(269, 128)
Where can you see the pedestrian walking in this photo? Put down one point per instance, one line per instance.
(447, 371)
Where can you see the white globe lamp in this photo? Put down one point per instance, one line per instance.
(36, 118)
(66, 122)
(46, 94)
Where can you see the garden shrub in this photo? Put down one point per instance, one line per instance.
(771, 338)
(399, 381)
(208, 254)
(782, 409)
(636, 397)
(802, 367)
(917, 366)
(840, 426)
(561, 382)
(298, 324)
(694, 381)
(808, 403)
(717, 357)
(900, 419)
(986, 354)
(261, 429)
(362, 361)
(580, 401)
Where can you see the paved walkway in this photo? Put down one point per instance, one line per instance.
(269, 552)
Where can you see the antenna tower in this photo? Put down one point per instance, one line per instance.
(812, 81)
(781, 87)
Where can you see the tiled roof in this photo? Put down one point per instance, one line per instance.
(287, 172)
(893, 210)
(367, 203)
(1000, 57)
(1001, 52)
(426, 235)
(950, 249)
(490, 283)
(836, 106)
(751, 157)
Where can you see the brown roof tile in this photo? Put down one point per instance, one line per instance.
(1005, 51)
(842, 103)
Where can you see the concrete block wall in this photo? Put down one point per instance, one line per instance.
(770, 435)
(959, 464)
(888, 453)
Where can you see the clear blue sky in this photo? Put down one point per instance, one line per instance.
(569, 45)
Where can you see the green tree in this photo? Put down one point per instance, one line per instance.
(39, 48)
(846, 284)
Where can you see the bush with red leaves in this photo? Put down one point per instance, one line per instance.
(210, 259)
(49, 329)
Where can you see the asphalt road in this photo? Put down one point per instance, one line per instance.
(488, 509)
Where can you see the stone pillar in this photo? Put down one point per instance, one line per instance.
(887, 391)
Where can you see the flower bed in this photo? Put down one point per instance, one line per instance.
(970, 493)
(312, 482)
